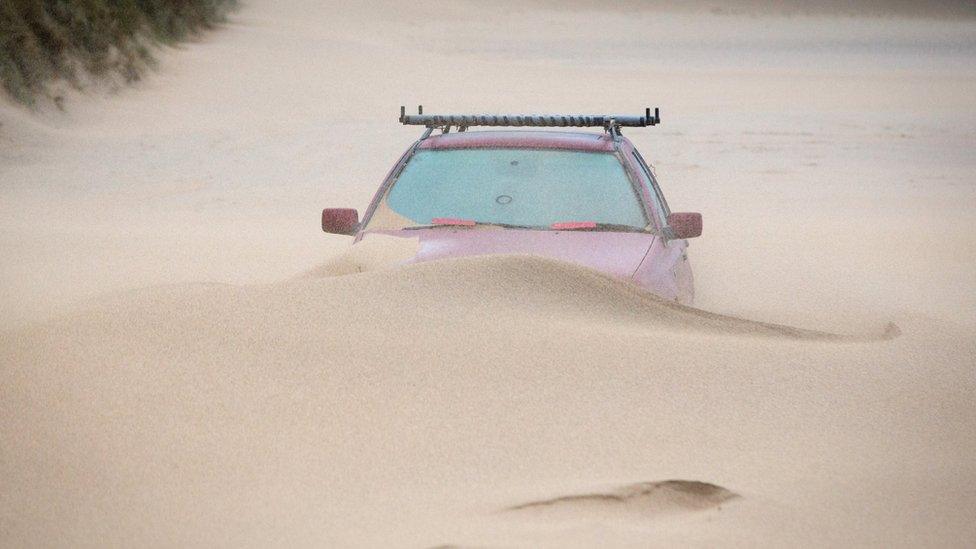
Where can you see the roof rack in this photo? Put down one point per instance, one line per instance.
(609, 122)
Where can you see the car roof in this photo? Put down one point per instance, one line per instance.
(574, 141)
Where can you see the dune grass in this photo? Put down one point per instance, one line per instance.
(45, 40)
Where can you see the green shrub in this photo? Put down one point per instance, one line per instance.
(41, 40)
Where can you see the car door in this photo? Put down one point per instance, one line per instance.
(670, 255)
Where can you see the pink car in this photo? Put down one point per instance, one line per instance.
(585, 198)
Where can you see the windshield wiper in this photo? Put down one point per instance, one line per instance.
(439, 222)
(594, 226)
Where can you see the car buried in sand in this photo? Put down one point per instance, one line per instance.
(583, 198)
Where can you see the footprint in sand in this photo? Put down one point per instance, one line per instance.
(634, 501)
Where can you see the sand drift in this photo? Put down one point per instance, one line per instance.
(530, 287)
(186, 401)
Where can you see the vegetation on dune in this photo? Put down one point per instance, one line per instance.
(45, 40)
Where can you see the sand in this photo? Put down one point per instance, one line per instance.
(186, 360)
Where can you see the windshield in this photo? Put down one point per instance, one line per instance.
(534, 188)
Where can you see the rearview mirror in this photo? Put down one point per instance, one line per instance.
(340, 221)
(685, 224)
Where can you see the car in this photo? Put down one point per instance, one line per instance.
(587, 198)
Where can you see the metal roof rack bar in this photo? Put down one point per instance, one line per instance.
(606, 121)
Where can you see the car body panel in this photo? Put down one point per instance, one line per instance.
(666, 272)
(615, 253)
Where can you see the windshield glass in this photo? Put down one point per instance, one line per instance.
(535, 188)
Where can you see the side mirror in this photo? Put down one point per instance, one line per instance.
(685, 224)
(340, 221)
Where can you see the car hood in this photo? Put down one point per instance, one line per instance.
(615, 253)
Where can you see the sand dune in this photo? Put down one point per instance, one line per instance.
(186, 360)
(184, 401)
(525, 287)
